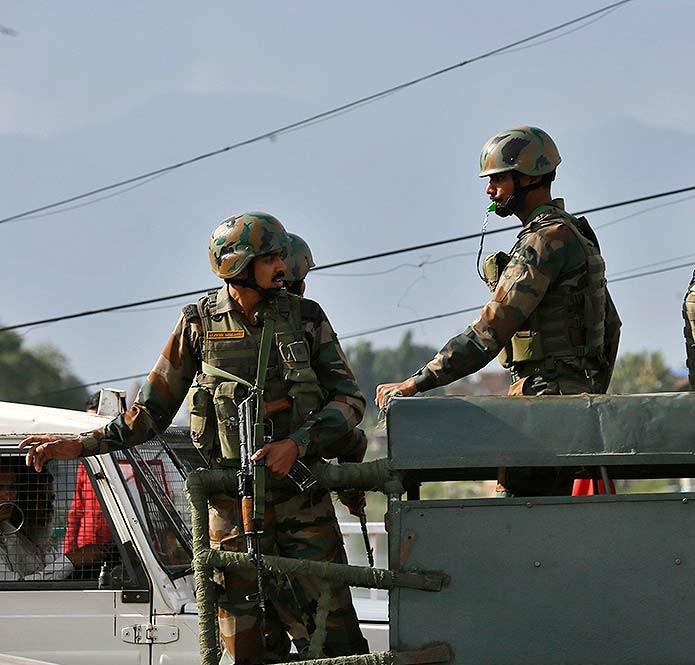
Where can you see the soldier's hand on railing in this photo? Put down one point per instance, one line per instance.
(354, 500)
(386, 391)
(279, 456)
(43, 447)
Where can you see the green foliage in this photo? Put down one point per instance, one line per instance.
(374, 366)
(32, 376)
(644, 372)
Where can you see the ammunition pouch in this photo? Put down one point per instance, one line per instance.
(228, 395)
(493, 267)
(203, 424)
(524, 346)
(303, 385)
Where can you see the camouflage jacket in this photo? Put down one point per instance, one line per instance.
(166, 386)
(689, 318)
(540, 256)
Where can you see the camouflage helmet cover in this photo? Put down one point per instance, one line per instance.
(299, 260)
(528, 150)
(241, 238)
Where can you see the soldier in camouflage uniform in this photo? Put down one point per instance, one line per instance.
(550, 319)
(311, 399)
(689, 318)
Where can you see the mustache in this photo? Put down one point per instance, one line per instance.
(280, 274)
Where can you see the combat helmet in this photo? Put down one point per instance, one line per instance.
(299, 260)
(241, 238)
(528, 150)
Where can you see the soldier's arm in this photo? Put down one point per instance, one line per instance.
(158, 400)
(538, 260)
(344, 406)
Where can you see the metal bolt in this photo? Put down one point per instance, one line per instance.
(537, 564)
(685, 500)
(529, 505)
(218, 460)
(678, 561)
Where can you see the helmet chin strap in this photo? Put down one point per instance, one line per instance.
(250, 283)
(515, 202)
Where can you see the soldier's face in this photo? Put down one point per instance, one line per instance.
(500, 187)
(269, 271)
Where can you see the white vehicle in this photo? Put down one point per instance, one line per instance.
(128, 596)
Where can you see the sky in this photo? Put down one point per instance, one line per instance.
(93, 93)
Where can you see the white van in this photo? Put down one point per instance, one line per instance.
(127, 596)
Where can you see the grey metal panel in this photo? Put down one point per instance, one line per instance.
(567, 581)
(452, 432)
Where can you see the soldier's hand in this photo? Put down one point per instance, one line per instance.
(354, 500)
(279, 456)
(43, 447)
(386, 391)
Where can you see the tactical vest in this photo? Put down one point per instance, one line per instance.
(229, 344)
(569, 322)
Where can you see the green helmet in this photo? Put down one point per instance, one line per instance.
(299, 260)
(528, 150)
(241, 238)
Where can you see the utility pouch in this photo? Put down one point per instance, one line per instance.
(493, 267)
(304, 388)
(199, 403)
(227, 395)
(526, 346)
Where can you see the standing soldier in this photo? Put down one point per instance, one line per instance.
(312, 401)
(689, 317)
(550, 319)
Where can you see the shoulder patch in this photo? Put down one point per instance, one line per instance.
(310, 310)
(190, 312)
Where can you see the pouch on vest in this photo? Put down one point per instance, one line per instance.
(525, 346)
(493, 267)
(227, 395)
(304, 388)
(199, 403)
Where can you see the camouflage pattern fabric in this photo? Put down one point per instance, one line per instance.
(166, 386)
(241, 238)
(298, 526)
(528, 150)
(689, 318)
(540, 259)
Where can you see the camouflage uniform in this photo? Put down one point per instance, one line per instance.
(538, 321)
(689, 317)
(299, 526)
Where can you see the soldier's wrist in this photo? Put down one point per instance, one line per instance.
(424, 380)
(301, 438)
(90, 444)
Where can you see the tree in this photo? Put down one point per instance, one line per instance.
(37, 376)
(375, 366)
(644, 372)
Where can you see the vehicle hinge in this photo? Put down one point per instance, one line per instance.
(146, 633)
(135, 596)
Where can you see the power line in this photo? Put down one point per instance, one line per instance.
(338, 110)
(369, 257)
(364, 333)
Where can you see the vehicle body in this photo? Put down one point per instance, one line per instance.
(136, 604)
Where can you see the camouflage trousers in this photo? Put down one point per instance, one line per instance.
(544, 481)
(299, 526)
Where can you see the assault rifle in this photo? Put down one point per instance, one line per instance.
(251, 436)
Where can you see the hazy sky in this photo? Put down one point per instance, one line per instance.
(96, 92)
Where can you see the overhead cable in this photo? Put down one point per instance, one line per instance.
(364, 333)
(338, 110)
(336, 264)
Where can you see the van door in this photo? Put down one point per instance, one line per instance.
(71, 580)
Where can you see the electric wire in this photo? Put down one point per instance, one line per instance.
(336, 264)
(364, 333)
(338, 110)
